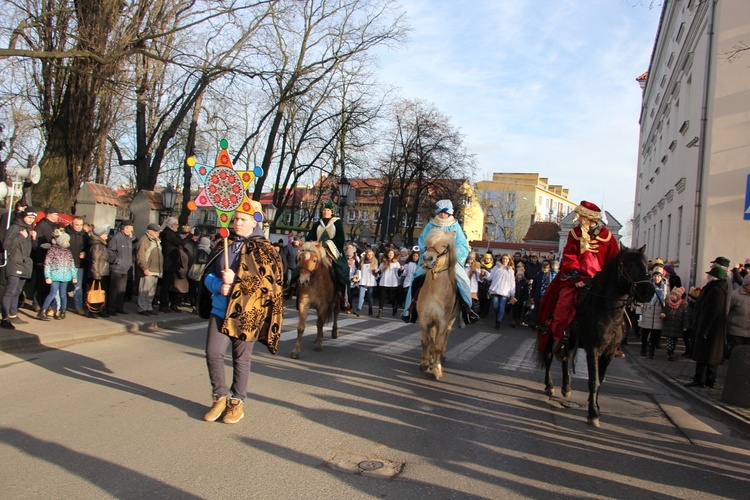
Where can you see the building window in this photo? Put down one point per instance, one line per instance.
(419, 222)
(685, 126)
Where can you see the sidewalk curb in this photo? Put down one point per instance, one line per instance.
(18, 339)
(729, 414)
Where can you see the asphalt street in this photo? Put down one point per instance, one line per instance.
(121, 417)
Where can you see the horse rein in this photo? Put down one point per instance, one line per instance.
(437, 256)
(631, 295)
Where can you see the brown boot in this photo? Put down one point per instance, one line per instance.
(220, 404)
(235, 411)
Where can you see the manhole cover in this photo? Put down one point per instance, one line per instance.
(571, 404)
(370, 465)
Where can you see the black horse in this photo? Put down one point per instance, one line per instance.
(600, 322)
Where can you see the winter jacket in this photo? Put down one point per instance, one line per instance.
(79, 242)
(149, 256)
(739, 313)
(59, 264)
(121, 253)
(19, 261)
(650, 315)
(676, 322)
(98, 258)
(711, 323)
(170, 245)
(45, 230)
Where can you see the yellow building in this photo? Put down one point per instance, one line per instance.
(512, 202)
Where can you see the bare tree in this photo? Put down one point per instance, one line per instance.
(310, 40)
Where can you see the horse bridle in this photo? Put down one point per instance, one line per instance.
(437, 256)
(631, 296)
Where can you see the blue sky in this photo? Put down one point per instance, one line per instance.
(536, 86)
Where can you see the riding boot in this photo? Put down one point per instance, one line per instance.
(291, 290)
(469, 316)
(410, 314)
(380, 313)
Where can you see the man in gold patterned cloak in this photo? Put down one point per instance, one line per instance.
(246, 305)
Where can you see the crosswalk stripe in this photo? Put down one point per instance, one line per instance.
(471, 347)
(367, 333)
(524, 359)
(401, 345)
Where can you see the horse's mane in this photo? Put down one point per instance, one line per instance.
(609, 276)
(312, 246)
(438, 236)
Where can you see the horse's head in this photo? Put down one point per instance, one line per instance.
(310, 257)
(633, 267)
(439, 248)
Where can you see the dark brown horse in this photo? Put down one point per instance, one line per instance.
(316, 289)
(600, 322)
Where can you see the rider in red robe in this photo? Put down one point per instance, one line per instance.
(590, 245)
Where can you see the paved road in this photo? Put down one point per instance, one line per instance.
(121, 417)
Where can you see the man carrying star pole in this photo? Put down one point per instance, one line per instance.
(245, 281)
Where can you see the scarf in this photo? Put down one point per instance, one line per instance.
(659, 289)
(440, 222)
(674, 304)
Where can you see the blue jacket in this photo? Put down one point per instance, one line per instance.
(121, 250)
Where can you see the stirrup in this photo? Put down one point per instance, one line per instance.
(410, 314)
(560, 349)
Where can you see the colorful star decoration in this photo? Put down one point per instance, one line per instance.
(224, 188)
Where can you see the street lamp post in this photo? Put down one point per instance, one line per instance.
(168, 199)
(270, 214)
(344, 189)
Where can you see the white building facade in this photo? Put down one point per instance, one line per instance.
(694, 151)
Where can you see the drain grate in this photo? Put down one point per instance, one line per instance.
(365, 465)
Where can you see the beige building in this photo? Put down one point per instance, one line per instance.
(512, 202)
(694, 153)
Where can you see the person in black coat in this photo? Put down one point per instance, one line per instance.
(79, 243)
(170, 247)
(18, 242)
(710, 328)
(45, 233)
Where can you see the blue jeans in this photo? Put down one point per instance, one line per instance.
(498, 304)
(56, 287)
(78, 290)
(362, 290)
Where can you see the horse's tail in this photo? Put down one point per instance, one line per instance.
(542, 346)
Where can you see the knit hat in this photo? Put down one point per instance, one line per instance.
(63, 240)
(718, 272)
(101, 230)
(678, 290)
(444, 206)
(30, 211)
(669, 269)
(329, 205)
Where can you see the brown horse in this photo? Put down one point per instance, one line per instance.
(316, 289)
(437, 306)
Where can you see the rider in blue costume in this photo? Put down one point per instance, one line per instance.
(444, 220)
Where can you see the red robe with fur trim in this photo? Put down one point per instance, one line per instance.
(561, 296)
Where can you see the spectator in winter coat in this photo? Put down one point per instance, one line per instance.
(99, 257)
(676, 320)
(79, 242)
(519, 300)
(149, 266)
(59, 270)
(710, 328)
(542, 279)
(170, 247)
(121, 263)
(652, 315)
(45, 230)
(738, 327)
(18, 242)
(289, 258)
